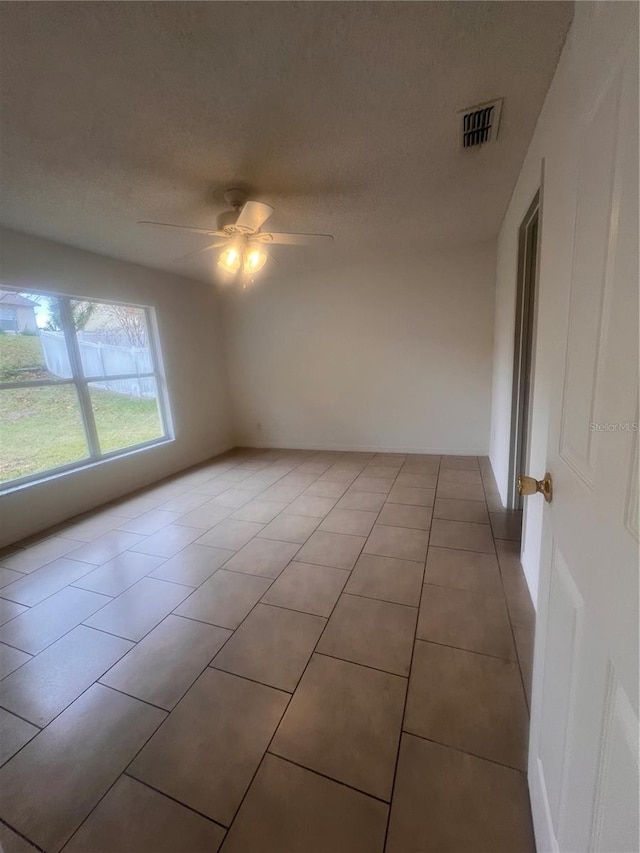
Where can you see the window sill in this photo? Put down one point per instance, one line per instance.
(82, 465)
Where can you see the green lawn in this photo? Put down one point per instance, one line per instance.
(41, 428)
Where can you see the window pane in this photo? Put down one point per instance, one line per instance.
(113, 339)
(126, 412)
(32, 343)
(40, 428)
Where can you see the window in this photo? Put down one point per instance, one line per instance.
(79, 381)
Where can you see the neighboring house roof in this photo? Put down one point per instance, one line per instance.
(11, 298)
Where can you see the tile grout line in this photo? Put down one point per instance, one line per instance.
(406, 695)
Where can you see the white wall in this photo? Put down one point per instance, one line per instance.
(389, 354)
(545, 167)
(192, 346)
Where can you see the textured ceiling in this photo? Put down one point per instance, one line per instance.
(341, 115)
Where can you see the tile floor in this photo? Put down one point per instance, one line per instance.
(275, 652)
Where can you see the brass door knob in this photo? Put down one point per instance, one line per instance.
(530, 486)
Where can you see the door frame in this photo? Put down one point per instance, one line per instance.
(523, 348)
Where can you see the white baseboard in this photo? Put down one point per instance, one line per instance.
(362, 448)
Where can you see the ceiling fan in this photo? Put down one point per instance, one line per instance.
(238, 231)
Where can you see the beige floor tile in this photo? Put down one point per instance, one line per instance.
(52, 680)
(164, 665)
(119, 574)
(507, 525)
(387, 579)
(463, 570)
(508, 552)
(14, 733)
(206, 752)
(11, 659)
(403, 515)
(371, 632)
(331, 549)
(231, 534)
(369, 501)
(193, 565)
(417, 481)
(326, 489)
(462, 535)
(52, 784)
(459, 463)
(289, 810)
(168, 541)
(397, 542)
(339, 475)
(40, 584)
(298, 479)
(259, 510)
(9, 610)
(392, 459)
(8, 576)
(455, 510)
(411, 496)
(139, 609)
(184, 503)
(89, 527)
(273, 646)
(307, 588)
(424, 466)
(311, 505)
(150, 522)
(11, 842)
(290, 528)
(459, 475)
(494, 725)
(380, 485)
(38, 627)
(354, 521)
(205, 517)
(524, 638)
(280, 493)
(450, 802)
(36, 556)
(106, 547)
(460, 491)
(133, 506)
(225, 599)
(344, 721)
(467, 620)
(264, 557)
(133, 818)
(235, 497)
(386, 472)
(217, 485)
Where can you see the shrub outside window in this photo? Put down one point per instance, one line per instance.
(79, 382)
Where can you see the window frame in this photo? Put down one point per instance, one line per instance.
(82, 383)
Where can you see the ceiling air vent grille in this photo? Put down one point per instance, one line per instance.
(480, 124)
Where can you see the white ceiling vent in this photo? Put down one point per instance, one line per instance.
(479, 124)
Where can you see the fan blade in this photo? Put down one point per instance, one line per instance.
(215, 245)
(253, 214)
(285, 239)
(181, 227)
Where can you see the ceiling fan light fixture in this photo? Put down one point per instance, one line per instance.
(254, 260)
(230, 259)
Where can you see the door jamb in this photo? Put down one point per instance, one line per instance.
(523, 350)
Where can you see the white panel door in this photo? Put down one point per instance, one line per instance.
(583, 759)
